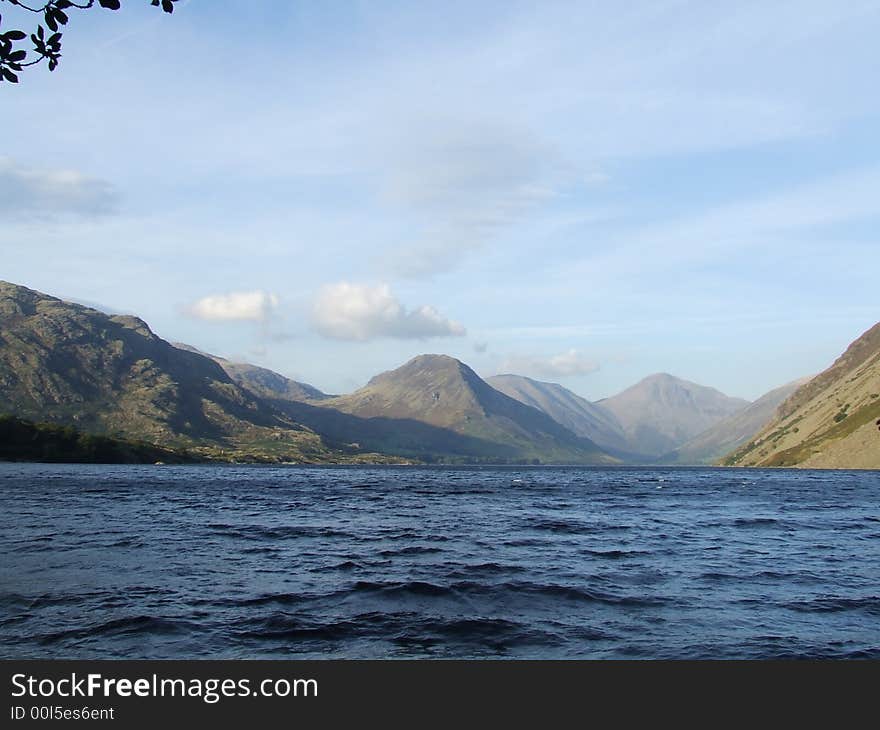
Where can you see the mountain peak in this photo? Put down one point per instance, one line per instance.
(662, 378)
(425, 371)
(444, 392)
(665, 380)
(662, 411)
(433, 362)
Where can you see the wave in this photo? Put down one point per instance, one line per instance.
(834, 604)
(283, 532)
(122, 626)
(615, 554)
(411, 550)
(756, 522)
(475, 590)
(570, 527)
(345, 565)
(405, 629)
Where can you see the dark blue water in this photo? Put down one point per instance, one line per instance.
(189, 562)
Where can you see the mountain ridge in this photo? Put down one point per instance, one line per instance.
(261, 381)
(566, 407)
(112, 375)
(832, 421)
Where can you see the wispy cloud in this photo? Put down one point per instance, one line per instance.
(463, 183)
(346, 311)
(31, 192)
(244, 306)
(564, 365)
(782, 221)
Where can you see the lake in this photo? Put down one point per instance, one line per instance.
(443, 562)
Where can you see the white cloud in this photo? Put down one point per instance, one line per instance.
(346, 311)
(243, 306)
(30, 192)
(563, 365)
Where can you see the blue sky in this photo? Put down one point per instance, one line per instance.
(585, 193)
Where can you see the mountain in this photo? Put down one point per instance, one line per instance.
(470, 418)
(662, 412)
(566, 408)
(269, 384)
(715, 442)
(111, 375)
(262, 382)
(832, 421)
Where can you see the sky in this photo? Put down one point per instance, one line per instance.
(585, 193)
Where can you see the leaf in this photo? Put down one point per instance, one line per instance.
(14, 35)
(109, 4)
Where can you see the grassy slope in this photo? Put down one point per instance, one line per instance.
(830, 421)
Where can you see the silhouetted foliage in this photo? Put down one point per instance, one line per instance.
(46, 40)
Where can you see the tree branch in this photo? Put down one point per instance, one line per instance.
(47, 47)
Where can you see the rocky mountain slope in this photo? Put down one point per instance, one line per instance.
(262, 382)
(662, 412)
(713, 444)
(440, 392)
(70, 364)
(833, 421)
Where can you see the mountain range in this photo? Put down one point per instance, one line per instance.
(445, 393)
(662, 419)
(67, 363)
(432, 407)
(110, 375)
